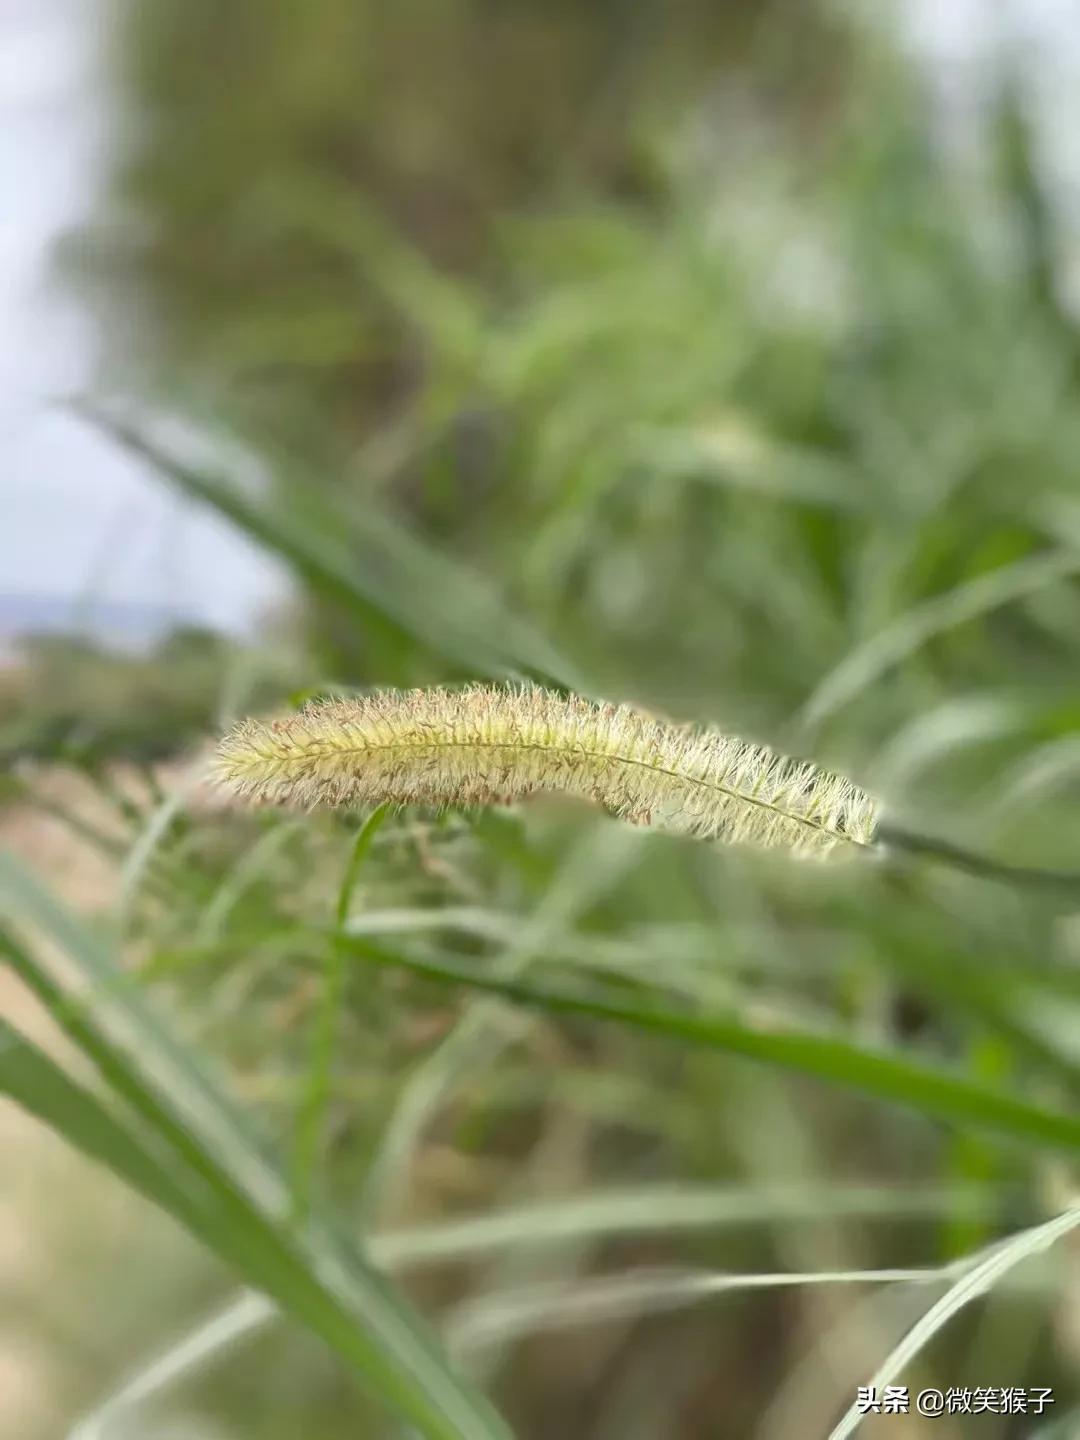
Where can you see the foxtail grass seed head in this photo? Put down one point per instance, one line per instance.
(487, 745)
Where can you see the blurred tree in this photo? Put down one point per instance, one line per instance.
(442, 117)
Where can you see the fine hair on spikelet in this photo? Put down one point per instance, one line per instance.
(491, 744)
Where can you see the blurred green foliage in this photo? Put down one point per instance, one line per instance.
(738, 421)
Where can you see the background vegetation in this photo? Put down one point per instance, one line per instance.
(666, 353)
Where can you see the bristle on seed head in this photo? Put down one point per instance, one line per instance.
(487, 744)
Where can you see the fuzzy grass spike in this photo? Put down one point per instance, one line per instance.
(485, 745)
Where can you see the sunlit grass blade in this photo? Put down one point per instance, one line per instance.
(975, 1281)
(512, 1314)
(207, 1342)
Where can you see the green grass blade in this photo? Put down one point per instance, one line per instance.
(932, 1092)
(40, 1087)
(513, 1314)
(315, 1274)
(910, 631)
(654, 1209)
(338, 218)
(385, 575)
(176, 1071)
(317, 1090)
(37, 1084)
(588, 871)
(360, 851)
(140, 857)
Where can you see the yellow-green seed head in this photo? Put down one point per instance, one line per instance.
(486, 744)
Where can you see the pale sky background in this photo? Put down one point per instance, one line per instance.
(79, 521)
